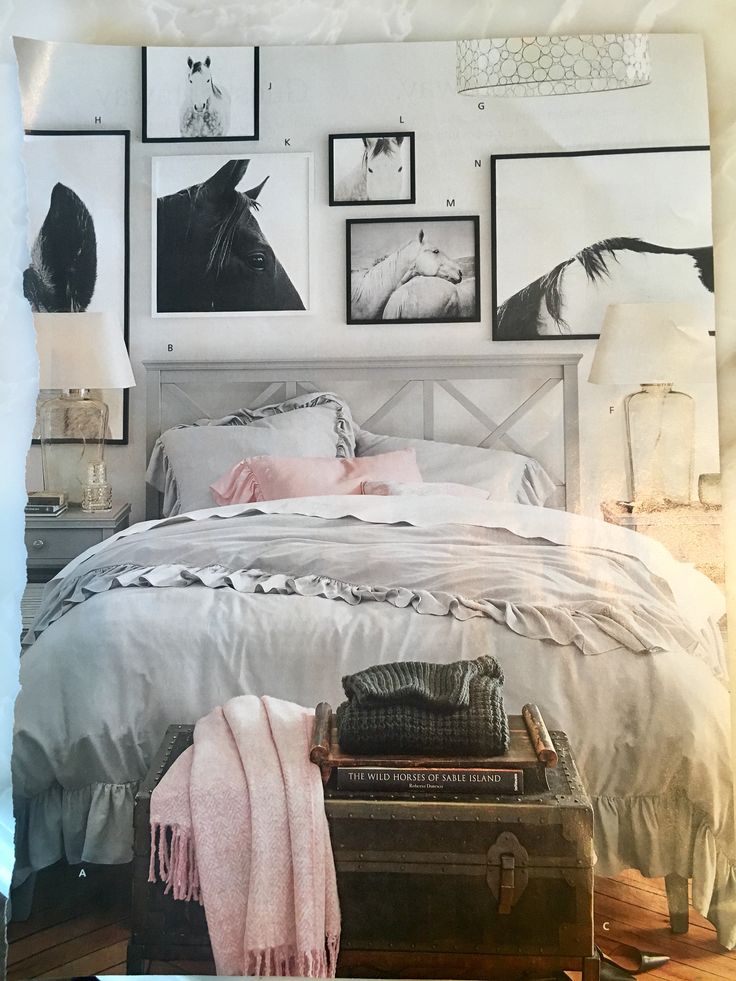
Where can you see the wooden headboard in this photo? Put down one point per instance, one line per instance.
(174, 392)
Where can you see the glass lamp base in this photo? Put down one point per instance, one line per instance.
(73, 428)
(660, 425)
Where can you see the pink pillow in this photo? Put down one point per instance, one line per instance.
(268, 478)
(390, 488)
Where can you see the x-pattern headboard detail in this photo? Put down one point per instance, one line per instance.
(167, 384)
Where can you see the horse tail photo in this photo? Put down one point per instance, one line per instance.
(539, 309)
(205, 109)
(211, 253)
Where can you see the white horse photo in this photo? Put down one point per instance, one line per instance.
(372, 290)
(205, 110)
(380, 175)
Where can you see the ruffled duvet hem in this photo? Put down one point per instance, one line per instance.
(95, 824)
(591, 626)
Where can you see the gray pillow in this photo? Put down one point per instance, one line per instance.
(187, 459)
(508, 477)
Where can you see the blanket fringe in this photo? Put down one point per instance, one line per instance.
(177, 863)
(284, 961)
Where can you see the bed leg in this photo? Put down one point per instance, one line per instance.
(676, 887)
(134, 960)
(591, 969)
(21, 899)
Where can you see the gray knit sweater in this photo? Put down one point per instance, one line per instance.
(429, 709)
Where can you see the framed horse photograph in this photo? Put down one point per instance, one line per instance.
(199, 94)
(413, 270)
(231, 234)
(372, 168)
(78, 203)
(574, 232)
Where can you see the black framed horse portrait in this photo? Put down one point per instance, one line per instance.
(231, 235)
(78, 222)
(573, 232)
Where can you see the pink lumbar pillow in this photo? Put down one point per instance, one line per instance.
(268, 478)
(391, 488)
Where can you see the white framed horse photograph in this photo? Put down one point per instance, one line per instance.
(231, 234)
(199, 94)
(372, 168)
(574, 232)
(413, 270)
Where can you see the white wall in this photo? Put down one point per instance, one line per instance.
(309, 92)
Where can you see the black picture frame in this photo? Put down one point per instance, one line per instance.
(496, 333)
(335, 138)
(239, 138)
(125, 311)
(419, 223)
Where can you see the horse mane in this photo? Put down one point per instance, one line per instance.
(522, 309)
(223, 241)
(383, 145)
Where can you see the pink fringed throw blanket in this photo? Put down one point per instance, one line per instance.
(238, 823)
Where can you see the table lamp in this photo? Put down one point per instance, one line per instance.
(658, 346)
(78, 352)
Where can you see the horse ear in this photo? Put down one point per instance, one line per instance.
(420, 236)
(255, 191)
(207, 62)
(227, 178)
(399, 140)
(190, 62)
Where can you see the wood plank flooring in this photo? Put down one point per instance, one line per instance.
(80, 926)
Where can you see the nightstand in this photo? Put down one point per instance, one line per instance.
(51, 542)
(692, 533)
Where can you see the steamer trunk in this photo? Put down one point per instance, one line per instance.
(462, 887)
(504, 882)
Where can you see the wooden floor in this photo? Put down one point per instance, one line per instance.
(86, 931)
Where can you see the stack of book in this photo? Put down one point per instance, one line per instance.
(522, 770)
(46, 504)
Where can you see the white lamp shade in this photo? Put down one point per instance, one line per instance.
(81, 350)
(643, 343)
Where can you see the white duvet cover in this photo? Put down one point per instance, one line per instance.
(617, 643)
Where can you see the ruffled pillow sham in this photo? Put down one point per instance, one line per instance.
(269, 478)
(187, 459)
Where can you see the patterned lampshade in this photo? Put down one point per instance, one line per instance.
(552, 65)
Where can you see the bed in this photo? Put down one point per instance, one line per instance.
(617, 643)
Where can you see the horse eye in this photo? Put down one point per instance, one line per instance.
(257, 260)
(400, 169)
(370, 170)
(435, 251)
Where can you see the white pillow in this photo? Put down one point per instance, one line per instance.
(393, 488)
(509, 478)
(187, 459)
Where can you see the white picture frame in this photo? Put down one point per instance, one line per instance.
(255, 260)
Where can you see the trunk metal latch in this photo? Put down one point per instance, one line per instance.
(506, 871)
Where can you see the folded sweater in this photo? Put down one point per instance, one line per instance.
(433, 710)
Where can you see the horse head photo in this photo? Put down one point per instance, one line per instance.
(211, 253)
(372, 168)
(63, 270)
(416, 281)
(205, 110)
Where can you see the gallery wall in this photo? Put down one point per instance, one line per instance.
(308, 93)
